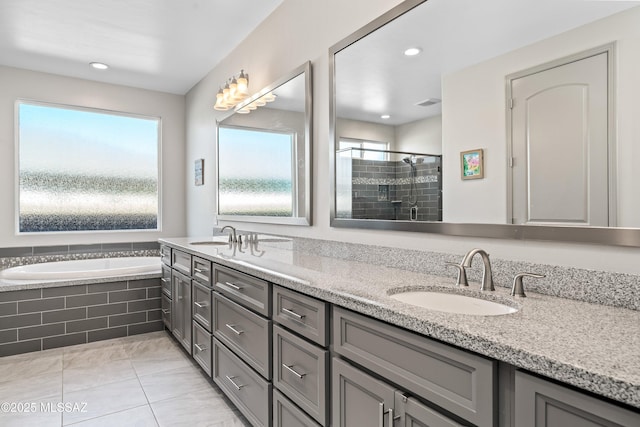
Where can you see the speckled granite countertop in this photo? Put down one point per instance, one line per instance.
(593, 347)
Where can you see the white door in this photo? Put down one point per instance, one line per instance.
(559, 125)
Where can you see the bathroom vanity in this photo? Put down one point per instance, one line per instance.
(296, 339)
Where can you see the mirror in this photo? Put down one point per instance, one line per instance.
(264, 154)
(550, 170)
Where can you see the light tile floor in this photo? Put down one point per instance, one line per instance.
(143, 380)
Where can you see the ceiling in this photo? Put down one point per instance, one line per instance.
(163, 45)
(373, 77)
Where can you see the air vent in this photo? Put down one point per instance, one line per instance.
(429, 101)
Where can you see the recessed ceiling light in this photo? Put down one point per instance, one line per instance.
(99, 65)
(385, 116)
(412, 51)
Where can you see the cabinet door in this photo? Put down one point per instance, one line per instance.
(166, 311)
(181, 313)
(413, 413)
(359, 399)
(541, 403)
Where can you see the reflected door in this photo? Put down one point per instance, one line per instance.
(560, 145)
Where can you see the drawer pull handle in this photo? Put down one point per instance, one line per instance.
(232, 327)
(293, 371)
(199, 347)
(201, 304)
(165, 280)
(293, 314)
(201, 270)
(236, 385)
(233, 286)
(166, 311)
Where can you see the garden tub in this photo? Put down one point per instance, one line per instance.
(84, 269)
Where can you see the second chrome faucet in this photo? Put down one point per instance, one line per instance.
(487, 276)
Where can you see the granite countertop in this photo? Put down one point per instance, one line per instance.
(593, 347)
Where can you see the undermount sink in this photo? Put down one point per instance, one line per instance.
(209, 242)
(453, 303)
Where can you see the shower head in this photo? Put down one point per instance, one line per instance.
(413, 159)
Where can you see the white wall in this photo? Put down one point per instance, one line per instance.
(298, 31)
(476, 96)
(375, 132)
(17, 83)
(421, 136)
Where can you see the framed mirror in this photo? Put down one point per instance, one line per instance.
(530, 106)
(264, 154)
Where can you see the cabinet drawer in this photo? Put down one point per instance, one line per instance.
(243, 289)
(247, 390)
(286, 414)
(453, 379)
(202, 347)
(165, 255)
(244, 332)
(302, 314)
(166, 311)
(541, 403)
(300, 372)
(201, 307)
(165, 281)
(181, 261)
(201, 270)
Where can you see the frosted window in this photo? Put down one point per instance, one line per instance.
(256, 176)
(82, 169)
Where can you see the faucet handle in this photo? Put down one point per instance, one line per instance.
(517, 290)
(461, 280)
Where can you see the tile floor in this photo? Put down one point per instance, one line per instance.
(142, 380)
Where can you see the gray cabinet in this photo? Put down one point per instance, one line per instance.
(360, 399)
(249, 291)
(286, 414)
(202, 347)
(300, 372)
(166, 311)
(246, 389)
(302, 314)
(455, 380)
(181, 261)
(202, 304)
(181, 309)
(541, 403)
(246, 333)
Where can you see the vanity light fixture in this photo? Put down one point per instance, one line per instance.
(260, 102)
(412, 51)
(98, 65)
(236, 89)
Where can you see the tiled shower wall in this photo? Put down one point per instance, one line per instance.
(380, 190)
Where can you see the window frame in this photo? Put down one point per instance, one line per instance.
(361, 143)
(16, 134)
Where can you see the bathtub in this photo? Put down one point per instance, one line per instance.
(84, 268)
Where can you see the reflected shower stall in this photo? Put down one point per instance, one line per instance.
(390, 185)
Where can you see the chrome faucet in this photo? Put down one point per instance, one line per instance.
(487, 276)
(232, 234)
